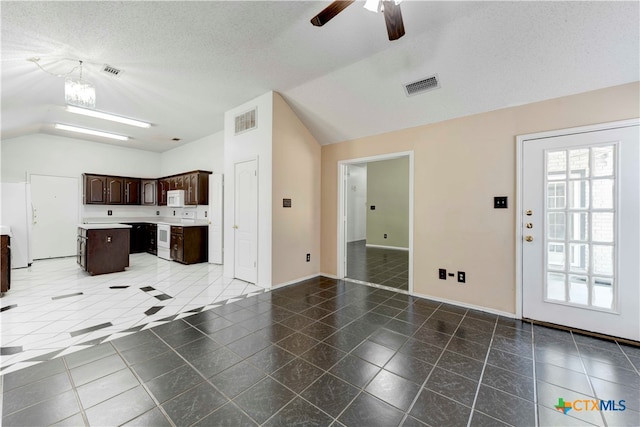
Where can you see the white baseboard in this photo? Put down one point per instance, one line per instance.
(397, 248)
(465, 305)
(291, 282)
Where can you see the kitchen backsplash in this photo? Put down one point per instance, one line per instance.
(122, 211)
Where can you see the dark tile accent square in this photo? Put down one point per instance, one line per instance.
(509, 382)
(393, 389)
(297, 374)
(169, 385)
(517, 412)
(44, 413)
(264, 399)
(453, 386)
(409, 367)
(374, 353)
(148, 289)
(66, 296)
(106, 387)
(8, 351)
(297, 343)
(237, 379)
(271, 358)
(119, 287)
(121, 408)
(153, 310)
(366, 410)
(323, 356)
(215, 362)
(90, 329)
(227, 416)
(331, 394)
(355, 371)
(436, 410)
(8, 307)
(194, 405)
(163, 297)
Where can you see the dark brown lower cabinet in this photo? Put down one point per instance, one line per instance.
(103, 250)
(151, 240)
(5, 263)
(189, 245)
(138, 238)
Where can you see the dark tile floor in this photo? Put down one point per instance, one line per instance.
(386, 267)
(325, 352)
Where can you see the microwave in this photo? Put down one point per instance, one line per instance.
(175, 198)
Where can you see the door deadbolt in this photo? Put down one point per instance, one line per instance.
(528, 238)
(528, 212)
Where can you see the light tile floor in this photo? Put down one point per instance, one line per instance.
(54, 305)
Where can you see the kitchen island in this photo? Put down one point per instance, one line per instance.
(103, 248)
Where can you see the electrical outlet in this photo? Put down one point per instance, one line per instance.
(109, 212)
(174, 213)
(385, 235)
(157, 212)
(442, 274)
(500, 202)
(461, 276)
(205, 214)
(308, 257)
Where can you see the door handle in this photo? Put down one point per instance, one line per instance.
(528, 238)
(235, 226)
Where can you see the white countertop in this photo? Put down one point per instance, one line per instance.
(5, 230)
(103, 226)
(148, 220)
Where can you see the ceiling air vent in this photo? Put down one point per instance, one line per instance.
(112, 71)
(422, 85)
(246, 121)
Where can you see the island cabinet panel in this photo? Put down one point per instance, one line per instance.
(95, 189)
(5, 263)
(132, 191)
(103, 250)
(189, 245)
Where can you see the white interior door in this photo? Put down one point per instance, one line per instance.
(56, 204)
(215, 218)
(581, 232)
(246, 221)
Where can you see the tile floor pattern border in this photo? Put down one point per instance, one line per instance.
(54, 306)
(329, 352)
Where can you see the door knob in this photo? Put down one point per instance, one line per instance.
(235, 226)
(528, 238)
(528, 212)
(529, 225)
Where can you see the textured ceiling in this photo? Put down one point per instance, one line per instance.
(186, 63)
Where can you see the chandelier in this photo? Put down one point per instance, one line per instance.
(79, 92)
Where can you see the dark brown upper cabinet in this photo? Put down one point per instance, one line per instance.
(95, 189)
(115, 190)
(132, 191)
(149, 192)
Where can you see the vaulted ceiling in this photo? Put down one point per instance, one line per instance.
(185, 63)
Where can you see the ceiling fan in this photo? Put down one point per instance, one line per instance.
(391, 9)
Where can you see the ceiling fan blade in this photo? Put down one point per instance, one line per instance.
(393, 18)
(329, 12)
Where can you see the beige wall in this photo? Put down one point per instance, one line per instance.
(460, 165)
(296, 176)
(388, 191)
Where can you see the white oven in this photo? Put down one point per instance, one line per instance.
(164, 241)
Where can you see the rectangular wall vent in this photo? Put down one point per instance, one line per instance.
(422, 85)
(246, 121)
(112, 71)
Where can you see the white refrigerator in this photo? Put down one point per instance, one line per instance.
(16, 212)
